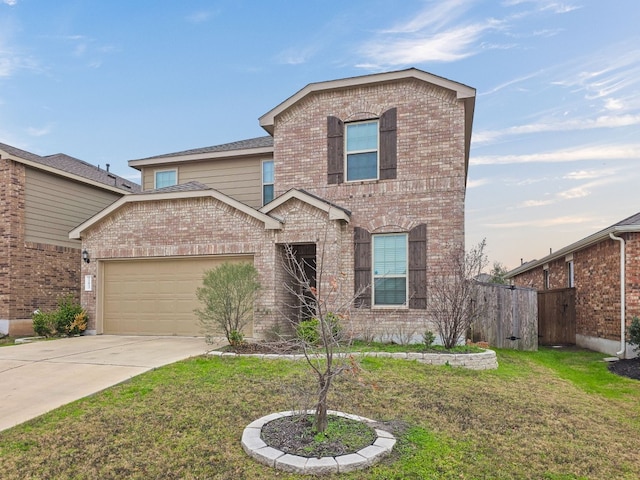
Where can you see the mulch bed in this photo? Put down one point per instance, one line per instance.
(629, 368)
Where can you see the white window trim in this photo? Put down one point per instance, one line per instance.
(346, 152)
(155, 175)
(262, 184)
(404, 305)
(571, 280)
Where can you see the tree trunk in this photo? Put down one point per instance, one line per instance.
(320, 422)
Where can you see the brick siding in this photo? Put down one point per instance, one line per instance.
(597, 284)
(32, 275)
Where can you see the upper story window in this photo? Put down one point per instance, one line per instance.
(390, 267)
(361, 148)
(546, 280)
(364, 150)
(267, 181)
(570, 274)
(165, 178)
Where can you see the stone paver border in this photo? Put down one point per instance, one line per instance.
(486, 360)
(257, 449)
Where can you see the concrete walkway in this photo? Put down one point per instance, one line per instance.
(40, 376)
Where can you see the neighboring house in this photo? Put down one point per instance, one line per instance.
(365, 175)
(602, 268)
(41, 200)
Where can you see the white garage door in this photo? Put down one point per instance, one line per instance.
(155, 297)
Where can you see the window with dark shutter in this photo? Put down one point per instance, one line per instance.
(335, 150)
(418, 267)
(388, 144)
(362, 262)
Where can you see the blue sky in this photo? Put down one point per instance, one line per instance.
(556, 145)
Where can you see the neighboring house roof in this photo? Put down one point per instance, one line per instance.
(251, 146)
(334, 211)
(463, 92)
(185, 190)
(629, 224)
(70, 167)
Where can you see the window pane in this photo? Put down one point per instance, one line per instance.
(267, 172)
(390, 291)
(267, 194)
(390, 255)
(165, 179)
(362, 166)
(362, 136)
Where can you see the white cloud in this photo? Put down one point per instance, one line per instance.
(478, 183)
(200, 16)
(543, 223)
(10, 2)
(603, 121)
(39, 132)
(629, 151)
(589, 174)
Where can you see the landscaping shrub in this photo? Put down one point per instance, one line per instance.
(65, 315)
(43, 323)
(68, 319)
(228, 293)
(309, 330)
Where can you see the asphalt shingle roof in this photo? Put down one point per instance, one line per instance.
(68, 164)
(192, 186)
(258, 142)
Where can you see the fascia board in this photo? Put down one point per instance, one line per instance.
(270, 223)
(333, 212)
(62, 173)
(574, 247)
(462, 91)
(200, 156)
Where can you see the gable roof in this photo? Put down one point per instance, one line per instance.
(251, 146)
(334, 211)
(70, 167)
(185, 190)
(628, 225)
(463, 92)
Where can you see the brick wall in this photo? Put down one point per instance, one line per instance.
(597, 283)
(430, 184)
(33, 275)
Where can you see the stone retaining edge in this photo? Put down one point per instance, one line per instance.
(257, 449)
(486, 360)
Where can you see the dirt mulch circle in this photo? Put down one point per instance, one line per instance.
(629, 368)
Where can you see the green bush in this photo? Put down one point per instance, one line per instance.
(43, 323)
(65, 315)
(68, 319)
(309, 331)
(428, 338)
(634, 333)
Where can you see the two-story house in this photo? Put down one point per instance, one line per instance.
(41, 200)
(365, 176)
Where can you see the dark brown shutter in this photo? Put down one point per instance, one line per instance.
(335, 150)
(388, 144)
(362, 262)
(418, 267)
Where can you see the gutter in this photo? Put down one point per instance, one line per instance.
(623, 326)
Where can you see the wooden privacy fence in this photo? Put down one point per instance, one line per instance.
(509, 316)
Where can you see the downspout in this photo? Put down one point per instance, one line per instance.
(623, 326)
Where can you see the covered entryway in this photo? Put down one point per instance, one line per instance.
(155, 296)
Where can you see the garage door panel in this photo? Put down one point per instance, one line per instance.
(156, 297)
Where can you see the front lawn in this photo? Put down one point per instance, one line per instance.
(554, 414)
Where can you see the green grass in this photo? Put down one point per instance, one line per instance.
(553, 414)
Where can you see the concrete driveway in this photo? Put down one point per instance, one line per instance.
(40, 376)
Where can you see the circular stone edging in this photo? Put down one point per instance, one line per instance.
(257, 449)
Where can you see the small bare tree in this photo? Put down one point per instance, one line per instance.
(453, 307)
(328, 310)
(228, 293)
